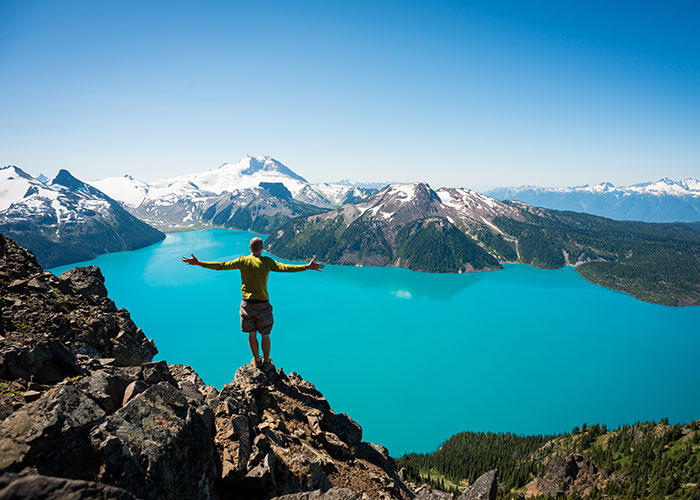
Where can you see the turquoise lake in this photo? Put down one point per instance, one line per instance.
(416, 357)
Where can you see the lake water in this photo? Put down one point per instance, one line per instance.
(416, 357)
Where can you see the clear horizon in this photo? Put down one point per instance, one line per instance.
(476, 95)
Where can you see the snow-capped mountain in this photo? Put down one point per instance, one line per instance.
(396, 225)
(662, 201)
(182, 201)
(402, 203)
(66, 220)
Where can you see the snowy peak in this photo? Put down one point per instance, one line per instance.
(15, 184)
(664, 186)
(11, 172)
(251, 165)
(474, 205)
(126, 189)
(686, 187)
(691, 184)
(65, 179)
(247, 173)
(664, 200)
(401, 203)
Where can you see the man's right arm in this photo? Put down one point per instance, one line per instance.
(222, 266)
(217, 266)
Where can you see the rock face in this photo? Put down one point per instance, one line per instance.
(86, 413)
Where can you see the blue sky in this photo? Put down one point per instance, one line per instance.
(475, 94)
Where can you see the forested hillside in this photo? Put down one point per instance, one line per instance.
(657, 263)
(642, 461)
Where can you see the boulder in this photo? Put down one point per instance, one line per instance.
(156, 447)
(47, 435)
(87, 282)
(46, 362)
(154, 372)
(105, 389)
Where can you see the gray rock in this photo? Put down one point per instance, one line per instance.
(48, 434)
(344, 427)
(87, 282)
(35, 487)
(184, 373)
(483, 488)
(157, 447)
(46, 362)
(157, 371)
(105, 389)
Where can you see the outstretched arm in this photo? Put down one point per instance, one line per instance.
(217, 266)
(192, 261)
(295, 268)
(316, 266)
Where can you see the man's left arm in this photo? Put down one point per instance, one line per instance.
(295, 268)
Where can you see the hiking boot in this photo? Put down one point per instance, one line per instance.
(267, 365)
(257, 363)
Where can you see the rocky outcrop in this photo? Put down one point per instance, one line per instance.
(483, 488)
(85, 411)
(277, 434)
(568, 474)
(51, 325)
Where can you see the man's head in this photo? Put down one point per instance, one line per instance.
(256, 246)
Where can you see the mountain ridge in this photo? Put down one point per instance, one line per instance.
(664, 200)
(658, 263)
(67, 220)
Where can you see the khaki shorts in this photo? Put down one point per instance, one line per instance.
(256, 317)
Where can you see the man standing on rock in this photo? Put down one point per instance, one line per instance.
(256, 311)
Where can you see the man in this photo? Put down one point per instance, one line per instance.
(256, 311)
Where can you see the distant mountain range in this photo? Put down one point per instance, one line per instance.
(406, 225)
(456, 230)
(662, 201)
(232, 195)
(66, 220)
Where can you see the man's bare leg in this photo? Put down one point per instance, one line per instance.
(253, 343)
(266, 347)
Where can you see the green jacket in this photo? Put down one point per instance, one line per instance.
(254, 271)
